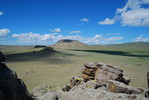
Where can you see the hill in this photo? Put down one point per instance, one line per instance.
(136, 43)
(67, 43)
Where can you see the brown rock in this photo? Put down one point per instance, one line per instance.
(87, 77)
(118, 87)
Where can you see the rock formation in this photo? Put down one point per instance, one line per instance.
(99, 81)
(11, 87)
(148, 79)
(102, 73)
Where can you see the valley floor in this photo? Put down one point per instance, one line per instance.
(56, 68)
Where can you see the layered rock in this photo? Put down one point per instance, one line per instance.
(11, 87)
(102, 73)
(118, 87)
(107, 83)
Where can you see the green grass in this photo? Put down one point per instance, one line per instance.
(56, 68)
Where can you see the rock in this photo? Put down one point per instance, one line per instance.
(91, 84)
(80, 93)
(102, 76)
(126, 80)
(87, 77)
(118, 87)
(66, 88)
(49, 96)
(88, 71)
(146, 94)
(2, 57)
(2, 96)
(11, 87)
(76, 80)
(148, 79)
(40, 90)
(108, 72)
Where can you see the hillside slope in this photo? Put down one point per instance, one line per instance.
(66, 44)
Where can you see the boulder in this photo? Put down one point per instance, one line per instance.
(109, 72)
(80, 93)
(118, 87)
(11, 87)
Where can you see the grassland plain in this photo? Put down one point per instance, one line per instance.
(56, 68)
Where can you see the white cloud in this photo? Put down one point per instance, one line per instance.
(134, 13)
(141, 39)
(107, 21)
(56, 30)
(1, 13)
(35, 38)
(75, 31)
(4, 32)
(99, 39)
(84, 20)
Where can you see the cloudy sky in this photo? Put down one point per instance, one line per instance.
(28, 22)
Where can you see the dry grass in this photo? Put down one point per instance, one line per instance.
(56, 68)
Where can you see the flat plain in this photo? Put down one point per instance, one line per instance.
(55, 68)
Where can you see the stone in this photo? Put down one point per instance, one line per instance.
(91, 84)
(118, 87)
(87, 77)
(109, 72)
(66, 88)
(76, 80)
(80, 93)
(2, 96)
(148, 79)
(40, 90)
(49, 96)
(102, 76)
(11, 87)
(2, 57)
(88, 71)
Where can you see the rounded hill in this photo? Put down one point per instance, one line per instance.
(67, 43)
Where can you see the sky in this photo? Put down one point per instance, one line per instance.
(94, 22)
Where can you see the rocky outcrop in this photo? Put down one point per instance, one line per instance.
(98, 82)
(102, 73)
(118, 87)
(11, 87)
(83, 93)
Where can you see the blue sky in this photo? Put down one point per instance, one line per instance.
(28, 22)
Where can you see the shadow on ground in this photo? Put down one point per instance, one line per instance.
(120, 53)
(47, 56)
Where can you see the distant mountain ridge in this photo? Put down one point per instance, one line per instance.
(136, 43)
